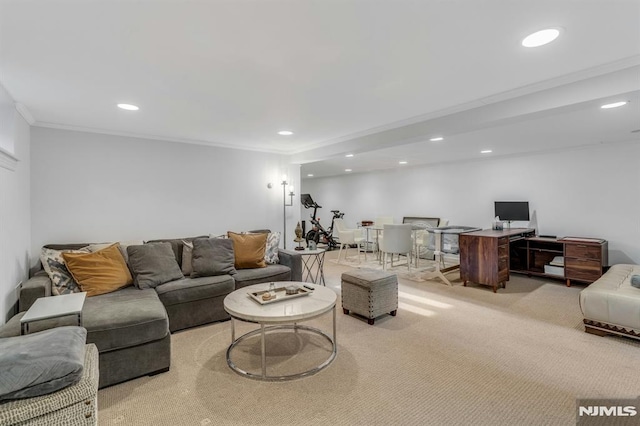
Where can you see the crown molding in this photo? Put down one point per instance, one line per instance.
(7, 160)
(552, 83)
(156, 137)
(24, 112)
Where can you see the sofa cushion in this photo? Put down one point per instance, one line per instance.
(124, 318)
(99, 272)
(187, 256)
(123, 247)
(245, 277)
(248, 250)
(192, 289)
(177, 245)
(53, 263)
(212, 256)
(153, 264)
(41, 363)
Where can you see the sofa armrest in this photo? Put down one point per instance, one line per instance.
(294, 261)
(37, 286)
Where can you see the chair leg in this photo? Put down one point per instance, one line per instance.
(340, 252)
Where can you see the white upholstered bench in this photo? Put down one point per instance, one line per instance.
(610, 305)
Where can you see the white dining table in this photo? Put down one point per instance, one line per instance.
(414, 227)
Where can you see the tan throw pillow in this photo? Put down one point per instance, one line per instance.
(100, 272)
(248, 250)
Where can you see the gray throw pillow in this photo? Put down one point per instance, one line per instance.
(635, 281)
(41, 363)
(153, 264)
(212, 256)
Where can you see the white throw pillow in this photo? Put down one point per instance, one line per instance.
(271, 251)
(54, 265)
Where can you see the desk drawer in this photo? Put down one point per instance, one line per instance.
(503, 265)
(582, 269)
(583, 251)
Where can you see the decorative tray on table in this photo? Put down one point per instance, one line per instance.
(281, 294)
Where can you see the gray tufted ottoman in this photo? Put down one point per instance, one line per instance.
(369, 293)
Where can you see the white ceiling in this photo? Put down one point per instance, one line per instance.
(376, 78)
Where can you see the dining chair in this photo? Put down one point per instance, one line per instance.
(421, 239)
(425, 240)
(347, 236)
(379, 223)
(397, 240)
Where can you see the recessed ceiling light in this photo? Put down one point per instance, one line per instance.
(349, 155)
(540, 38)
(614, 105)
(402, 162)
(285, 132)
(486, 151)
(439, 138)
(347, 170)
(310, 175)
(128, 107)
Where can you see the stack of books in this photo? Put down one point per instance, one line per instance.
(555, 267)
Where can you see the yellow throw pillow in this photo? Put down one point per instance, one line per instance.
(100, 272)
(248, 250)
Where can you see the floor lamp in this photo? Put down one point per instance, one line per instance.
(284, 208)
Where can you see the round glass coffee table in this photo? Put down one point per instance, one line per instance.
(245, 305)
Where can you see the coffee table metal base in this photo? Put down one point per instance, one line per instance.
(263, 331)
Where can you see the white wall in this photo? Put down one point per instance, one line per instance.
(90, 187)
(14, 205)
(590, 192)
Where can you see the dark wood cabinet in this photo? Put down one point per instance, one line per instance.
(487, 257)
(584, 258)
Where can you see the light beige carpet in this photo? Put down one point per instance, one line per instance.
(453, 355)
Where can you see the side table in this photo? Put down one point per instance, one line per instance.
(53, 307)
(313, 265)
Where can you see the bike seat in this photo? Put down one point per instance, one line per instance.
(335, 211)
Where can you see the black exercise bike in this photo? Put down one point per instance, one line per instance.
(317, 233)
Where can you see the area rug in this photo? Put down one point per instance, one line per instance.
(418, 273)
(452, 356)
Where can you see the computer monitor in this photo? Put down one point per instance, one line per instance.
(509, 211)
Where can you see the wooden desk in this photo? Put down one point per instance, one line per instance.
(484, 255)
(487, 257)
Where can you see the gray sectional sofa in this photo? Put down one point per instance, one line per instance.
(132, 327)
